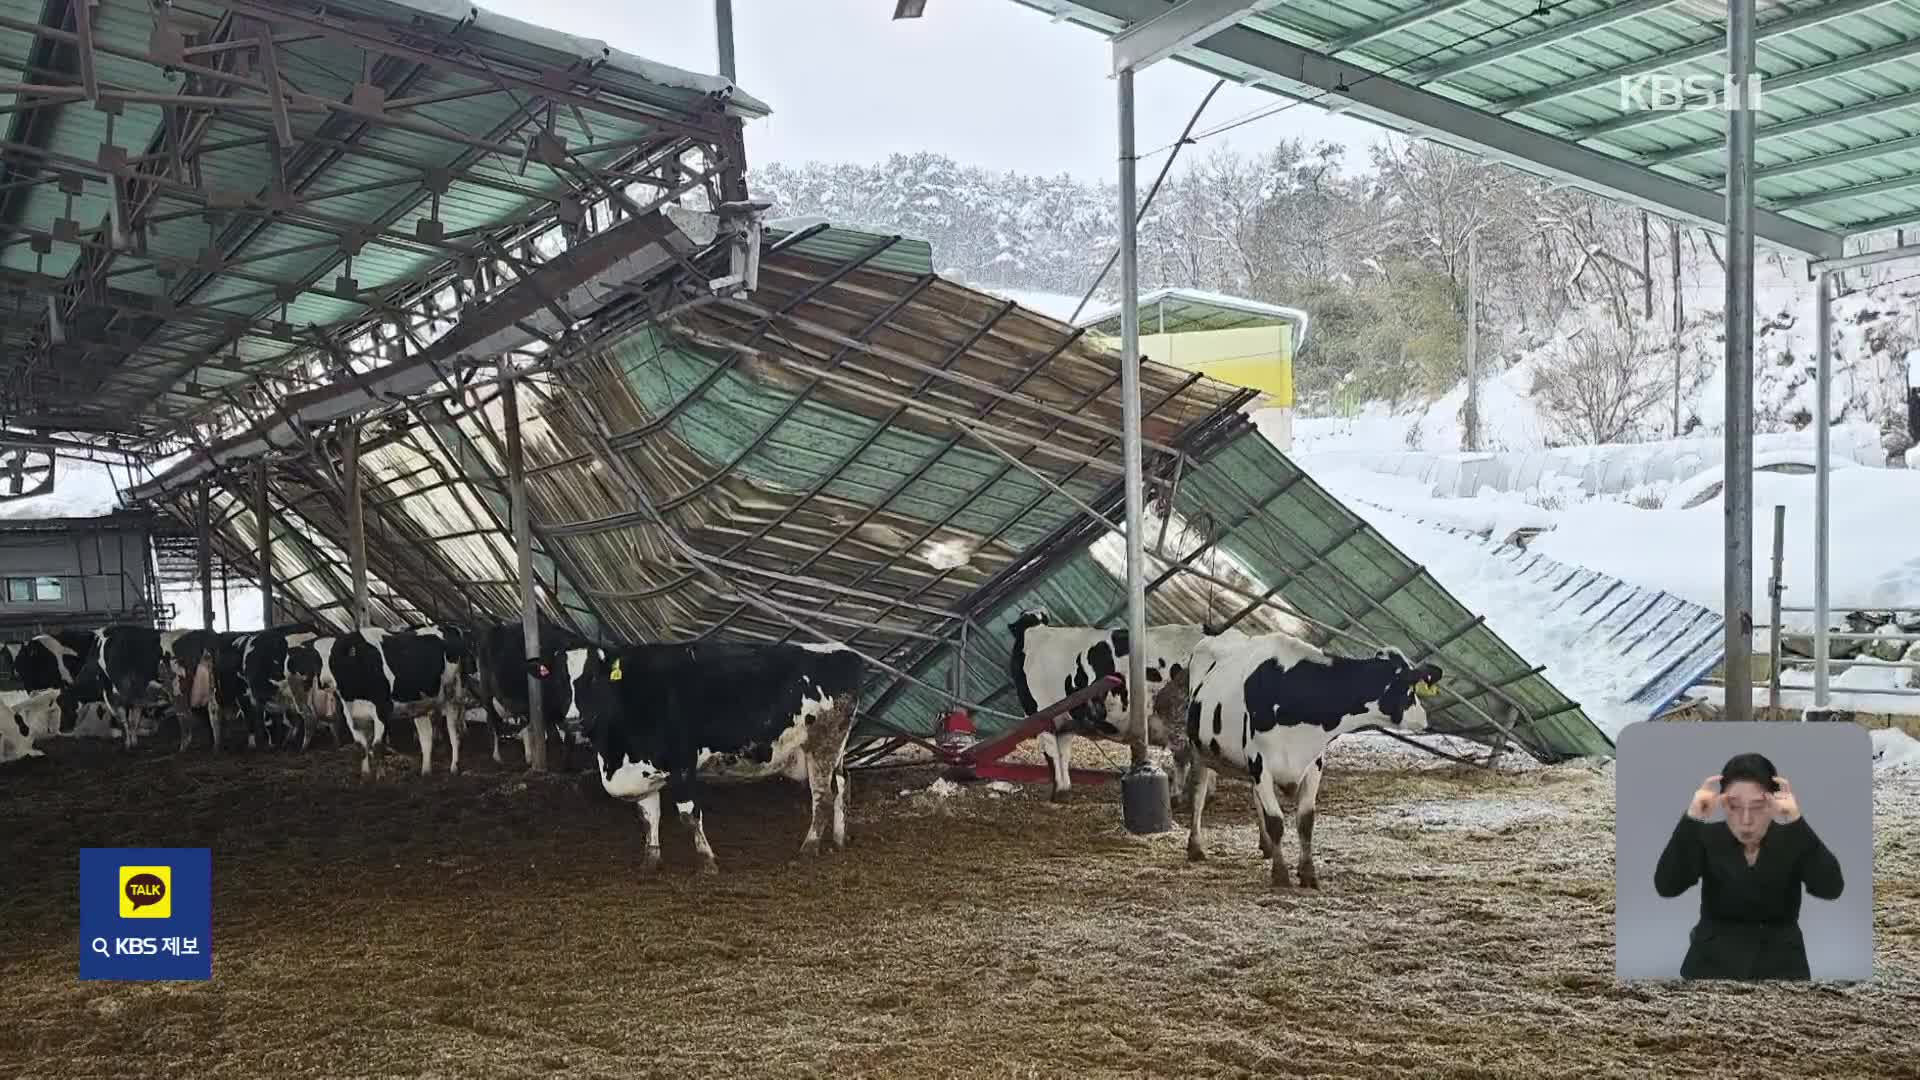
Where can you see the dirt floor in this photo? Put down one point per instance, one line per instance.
(490, 926)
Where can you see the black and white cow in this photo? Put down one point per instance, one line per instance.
(54, 662)
(1050, 662)
(672, 717)
(191, 659)
(561, 668)
(1267, 706)
(27, 717)
(128, 662)
(367, 675)
(260, 688)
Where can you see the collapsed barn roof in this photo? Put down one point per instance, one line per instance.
(350, 242)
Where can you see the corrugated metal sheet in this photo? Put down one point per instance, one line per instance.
(238, 264)
(1840, 78)
(1358, 590)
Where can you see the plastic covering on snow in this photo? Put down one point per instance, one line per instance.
(81, 489)
(1601, 679)
(1629, 469)
(1875, 559)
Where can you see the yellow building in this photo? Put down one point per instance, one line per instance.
(1243, 342)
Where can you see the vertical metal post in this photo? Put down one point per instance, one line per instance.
(1471, 436)
(1679, 324)
(1822, 488)
(226, 597)
(356, 525)
(206, 555)
(1739, 413)
(723, 31)
(263, 538)
(535, 733)
(1776, 585)
(1137, 696)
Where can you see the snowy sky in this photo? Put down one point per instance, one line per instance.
(841, 75)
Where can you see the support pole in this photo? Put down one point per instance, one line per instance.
(206, 555)
(1145, 803)
(263, 537)
(1472, 433)
(1822, 490)
(1739, 413)
(1776, 586)
(723, 32)
(534, 735)
(1679, 324)
(356, 526)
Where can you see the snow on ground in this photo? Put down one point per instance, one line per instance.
(1894, 749)
(1875, 562)
(81, 489)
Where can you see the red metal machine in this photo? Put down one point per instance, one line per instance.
(973, 760)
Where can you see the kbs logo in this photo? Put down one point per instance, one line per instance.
(1687, 93)
(146, 913)
(146, 892)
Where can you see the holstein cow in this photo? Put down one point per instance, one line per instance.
(1050, 662)
(261, 685)
(128, 661)
(674, 716)
(191, 662)
(54, 662)
(561, 668)
(368, 674)
(1269, 705)
(26, 717)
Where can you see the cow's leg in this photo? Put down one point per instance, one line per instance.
(683, 788)
(131, 718)
(423, 730)
(649, 806)
(216, 723)
(456, 718)
(1199, 786)
(366, 727)
(1271, 809)
(1058, 748)
(1303, 823)
(840, 782)
(826, 751)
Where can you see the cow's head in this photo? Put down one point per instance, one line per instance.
(1403, 699)
(1029, 618)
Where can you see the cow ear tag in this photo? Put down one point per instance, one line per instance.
(1425, 689)
(614, 674)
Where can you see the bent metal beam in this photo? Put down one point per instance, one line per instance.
(631, 251)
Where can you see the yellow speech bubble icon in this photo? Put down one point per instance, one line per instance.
(146, 892)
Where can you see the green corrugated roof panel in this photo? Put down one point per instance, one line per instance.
(837, 245)
(1837, 75)
(724, 420)
(1327, 565)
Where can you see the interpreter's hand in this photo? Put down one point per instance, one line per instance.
(1785, 806)
(1705, 799)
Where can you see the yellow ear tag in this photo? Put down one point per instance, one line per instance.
(1425, 689)
(614, 674)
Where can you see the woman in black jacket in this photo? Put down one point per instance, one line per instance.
(1751, 869)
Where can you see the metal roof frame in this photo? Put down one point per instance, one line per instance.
(210, 206)
(1838, 145)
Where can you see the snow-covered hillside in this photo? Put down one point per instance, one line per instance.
(1876, 326)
